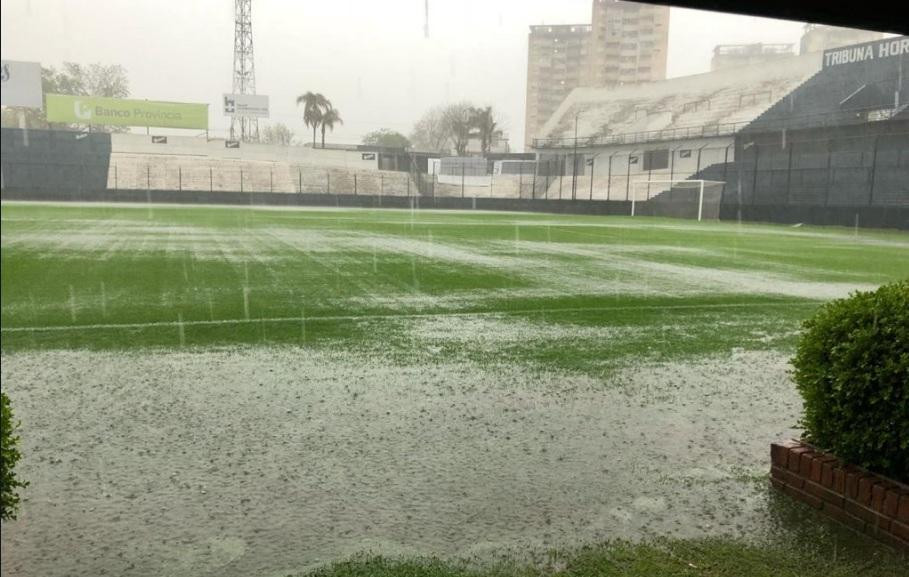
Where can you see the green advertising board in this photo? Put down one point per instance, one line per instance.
(125, 112)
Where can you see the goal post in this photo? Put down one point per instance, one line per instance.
(670, 197)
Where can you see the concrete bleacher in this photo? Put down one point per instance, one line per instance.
(719, 98)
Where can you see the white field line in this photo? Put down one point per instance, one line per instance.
(104, 326)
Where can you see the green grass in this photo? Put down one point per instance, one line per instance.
(803, 543)
(678, 558)
(124, 277)
(568, 294)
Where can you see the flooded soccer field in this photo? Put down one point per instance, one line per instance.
(239, 391)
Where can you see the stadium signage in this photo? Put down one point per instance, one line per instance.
(870, 51)
(20, 84)
(248, 105)
(125, 112)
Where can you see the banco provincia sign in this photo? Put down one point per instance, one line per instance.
(125, 112)
(887, 48)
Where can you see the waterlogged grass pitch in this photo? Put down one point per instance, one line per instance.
(243, 391)
(581, 292)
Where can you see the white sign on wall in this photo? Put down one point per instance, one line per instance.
(21, 84)
(249, 105)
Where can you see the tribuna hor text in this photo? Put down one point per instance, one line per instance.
(884, 49)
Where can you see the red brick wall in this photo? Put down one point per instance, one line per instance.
(853, 496)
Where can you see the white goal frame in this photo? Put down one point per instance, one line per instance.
(695, 183)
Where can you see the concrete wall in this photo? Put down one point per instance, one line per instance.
(614, 174)
(190, 146)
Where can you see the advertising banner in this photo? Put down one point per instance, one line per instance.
(20, 84)
(248, 105)
(125, 112)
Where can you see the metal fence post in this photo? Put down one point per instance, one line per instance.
(147, 177)
(592, 166)
(381, 184)
(462, 180)
(757, 150)
(355, 184)
(408, 185)
(873, 171)
(628, 179)
(561, 174)
(533, 186)
(521, 182)
(300, 178)
(180, 178)
(789, 175)
(725, 174)
(241, 180)
(327, 182)
(826, 180)
(211, 179)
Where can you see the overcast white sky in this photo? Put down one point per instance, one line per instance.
(369, 57)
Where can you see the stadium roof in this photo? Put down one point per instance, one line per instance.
(698, 105)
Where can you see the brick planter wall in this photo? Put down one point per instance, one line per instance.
(866, 502)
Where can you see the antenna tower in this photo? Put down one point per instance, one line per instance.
(242, 127)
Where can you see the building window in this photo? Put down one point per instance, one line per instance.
(656, 159)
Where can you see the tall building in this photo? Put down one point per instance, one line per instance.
(555, 67)
(736, 55)
(626, 43)
(818, 37)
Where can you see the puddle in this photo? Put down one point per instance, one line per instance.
(260, 461)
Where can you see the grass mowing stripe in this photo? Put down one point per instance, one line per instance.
(443, 314)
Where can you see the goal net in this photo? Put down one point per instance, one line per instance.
(698, 199)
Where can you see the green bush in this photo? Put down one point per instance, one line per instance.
(9, 456)
(852, 369)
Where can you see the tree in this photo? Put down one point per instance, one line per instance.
(109, 81)
(330, 118)
(452, 126)
(387, 138)
(484, 125)
(429, 133)
(278, 134)
(9, 456)
(457, 121)
(314, 107)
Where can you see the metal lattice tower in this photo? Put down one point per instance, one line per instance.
(246, 129)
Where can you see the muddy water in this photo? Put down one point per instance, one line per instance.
(270, 461)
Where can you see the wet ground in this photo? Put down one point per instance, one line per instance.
(251, 461)
(233, 391)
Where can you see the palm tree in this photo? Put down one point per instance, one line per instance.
(329, 119)
(314, 108)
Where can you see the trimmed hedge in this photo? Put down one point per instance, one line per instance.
(852, 369)
(9, 456)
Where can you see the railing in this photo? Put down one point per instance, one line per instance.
(644, 136)
(818, 119)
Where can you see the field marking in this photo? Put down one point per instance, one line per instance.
(183, 323)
